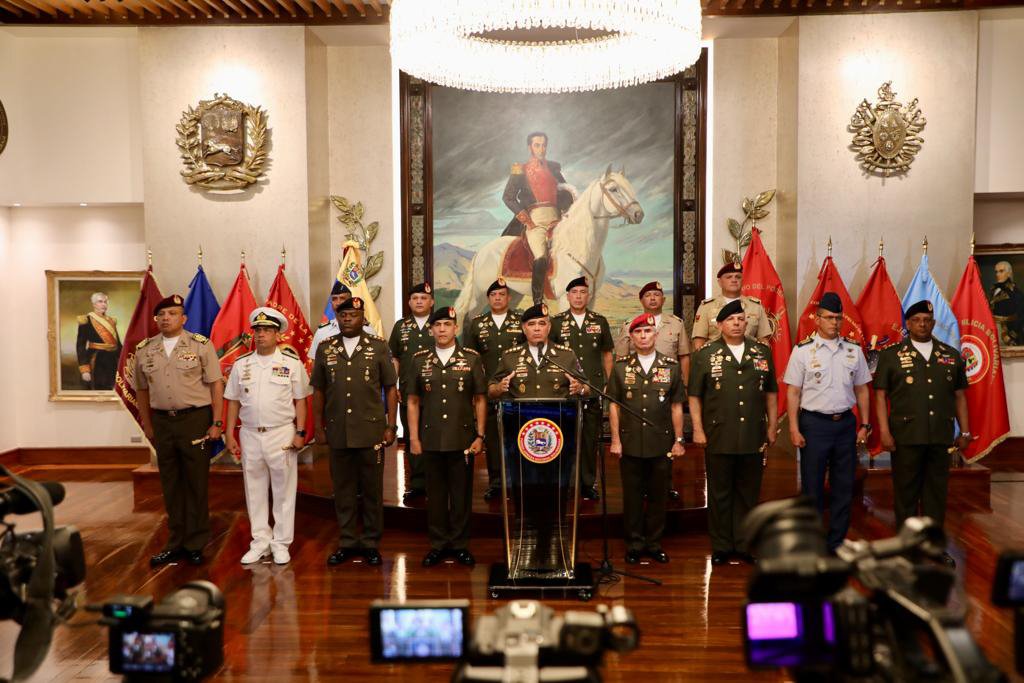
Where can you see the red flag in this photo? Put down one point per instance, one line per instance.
(299, 336)
(760, 280)
(231, 334)
(141, 327)
(829, 280)
(979, 346)
(882, 312)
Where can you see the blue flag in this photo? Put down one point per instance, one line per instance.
(923, 286)
(201, 305)
(328, 315)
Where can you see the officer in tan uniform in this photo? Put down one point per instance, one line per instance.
(180, 396)
(350, 373)
(445, 389)
(491, 334)
(730, 280)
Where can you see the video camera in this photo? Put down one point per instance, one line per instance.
(181, 638)
(37, 568)
(801, 615)
(1008, 591)
(522, 641)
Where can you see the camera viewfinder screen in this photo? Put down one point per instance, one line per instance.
(148, 652)
(427, 633)
(782, 634)
(1015, 589)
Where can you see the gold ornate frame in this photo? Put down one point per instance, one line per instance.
(250, 170)
(53, 280)
(988, 251)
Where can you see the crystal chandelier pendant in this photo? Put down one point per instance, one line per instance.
(544, 46)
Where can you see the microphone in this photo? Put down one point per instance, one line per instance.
(16, 502)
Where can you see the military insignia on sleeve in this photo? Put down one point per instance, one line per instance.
(199, 338)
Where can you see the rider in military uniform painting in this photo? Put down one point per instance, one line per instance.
(98, 345)
(734, 408)
(924, 381)
(491, 334)
(730, 280)
(649, 384)
(588, 335)
(538, 196)
(445, 389)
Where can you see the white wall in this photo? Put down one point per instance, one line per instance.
(71, 238)
(8, 389)
(1000, 166)
(72, 100)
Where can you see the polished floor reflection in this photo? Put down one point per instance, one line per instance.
(305, 621)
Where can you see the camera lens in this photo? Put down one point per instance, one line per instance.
(784, 528)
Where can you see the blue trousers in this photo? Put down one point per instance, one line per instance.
(831, 447)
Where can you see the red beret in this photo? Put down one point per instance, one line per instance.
(650, 286)
(730, 267)
(644, 319)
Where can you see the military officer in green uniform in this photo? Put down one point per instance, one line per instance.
(734, 406)
(651, 385)
(410, 335)
(350, 372)
(730, 280)
(445, 389)
(180, 396)
(924, 381)
(588, 335)
(491, 334)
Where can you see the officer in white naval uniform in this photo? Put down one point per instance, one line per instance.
(267, 389)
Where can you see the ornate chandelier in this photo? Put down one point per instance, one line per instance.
(544, 46)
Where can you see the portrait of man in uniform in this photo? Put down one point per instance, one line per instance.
(1002, 273)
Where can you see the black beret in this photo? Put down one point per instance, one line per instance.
(649, 286)
(497, 284)
(922, 306)
(732, 308)
(581, 281)
(730, 267)
(830, 301)
(446, 313)
(535, 311)
(339, 288)
(354, 304)
(172, 300)
(422, 288)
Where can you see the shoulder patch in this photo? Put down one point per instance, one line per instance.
(249, 353)
(673, 317)
(805, 341)
(199, 338)
(851, 340)
(707, 301)
(83, 319)
(290, 352)
(517, 169)
(142, 343)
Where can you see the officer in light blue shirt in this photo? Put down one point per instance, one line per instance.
(826, 377)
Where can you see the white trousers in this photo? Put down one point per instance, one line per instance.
(266, 467)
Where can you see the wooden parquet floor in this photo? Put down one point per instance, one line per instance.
(306, 621)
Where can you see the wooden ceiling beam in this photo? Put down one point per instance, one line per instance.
(375, 4)
(205, 9)
(306, 6)
(167, 7)
(360, 7)
(14, 9)
(340, 4)
(82, 8)
(253, 8)
(114, 7)
(219, 7)
(324, 6)
(184, 7)
(240, 11)
(289, 7)
(133, 7)
(151, 7)
(271, 7)
(38, 5)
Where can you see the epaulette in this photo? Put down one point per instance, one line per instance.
(707, 301)
(515, 349)
(622, 359)
(324, 324)
(375, 337)
(199, 338)
(471, 351)
(481, 316)
(851, 340)
(249, 353)
(83, 319)
(806, 340)
(562, 346)
(517, 169)
(421, 352)
(290, 352)
(670, 360)
(754, 299)
(142, 343)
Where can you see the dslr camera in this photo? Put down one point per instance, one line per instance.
(524, 640)
(801, 615)
(181, 638)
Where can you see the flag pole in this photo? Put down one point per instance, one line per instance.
(972, 243)
(924, 245)
(283, 253)
(200, 255)
(830, 246)
(149, 258)
(881, 246)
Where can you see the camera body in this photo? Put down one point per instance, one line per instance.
(19, 556)
(181, 638)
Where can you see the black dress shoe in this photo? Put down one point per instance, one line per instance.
(658, 555)
(491, 493)
(590, 493)
(340, 555)
(948, 560)
(632, 557)
(413, 495)
(194, 557)
(673, 494)
(372, 556)
(465, 557)
(166, 557)
(431, 558)
(719, 557)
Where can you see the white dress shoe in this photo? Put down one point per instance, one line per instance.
(254, 555)
(281, 556)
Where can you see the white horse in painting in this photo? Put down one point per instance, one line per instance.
(577, 243)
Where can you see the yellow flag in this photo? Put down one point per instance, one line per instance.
(350, 274)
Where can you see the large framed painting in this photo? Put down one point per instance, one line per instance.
(88, 314)
(1002, 275)
(540, 189)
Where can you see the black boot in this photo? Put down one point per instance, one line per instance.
(540, 272)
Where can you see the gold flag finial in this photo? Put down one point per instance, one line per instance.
(149, 257)
(283, 254)
(243, 257)
(200, 255)
(881, 246)
(830, 246)
(972, 243)
(924, 245)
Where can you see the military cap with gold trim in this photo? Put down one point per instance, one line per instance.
(642, 320)
(264, 316)
(730, 267)
(655, 286)
(446, 313)
(339, 288)
(355, 304)
(169, 302)
(497, 284)
(422, 288)
(581, 281)
(922, 306)
(732, 308)
(535, 311)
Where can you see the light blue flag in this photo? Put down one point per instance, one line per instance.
(201, 305)
(923, 286)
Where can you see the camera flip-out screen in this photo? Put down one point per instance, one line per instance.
(785, 634)
(147, 652)
(419, 631)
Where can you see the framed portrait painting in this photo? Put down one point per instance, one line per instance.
(541, 189)
(88, 314)
(1002, 275)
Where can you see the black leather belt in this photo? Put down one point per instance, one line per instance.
(176, 413)
(834, 417)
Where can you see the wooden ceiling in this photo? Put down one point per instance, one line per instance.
(341, 12)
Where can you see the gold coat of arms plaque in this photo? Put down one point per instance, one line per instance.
(885, 134)
(223, 143)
